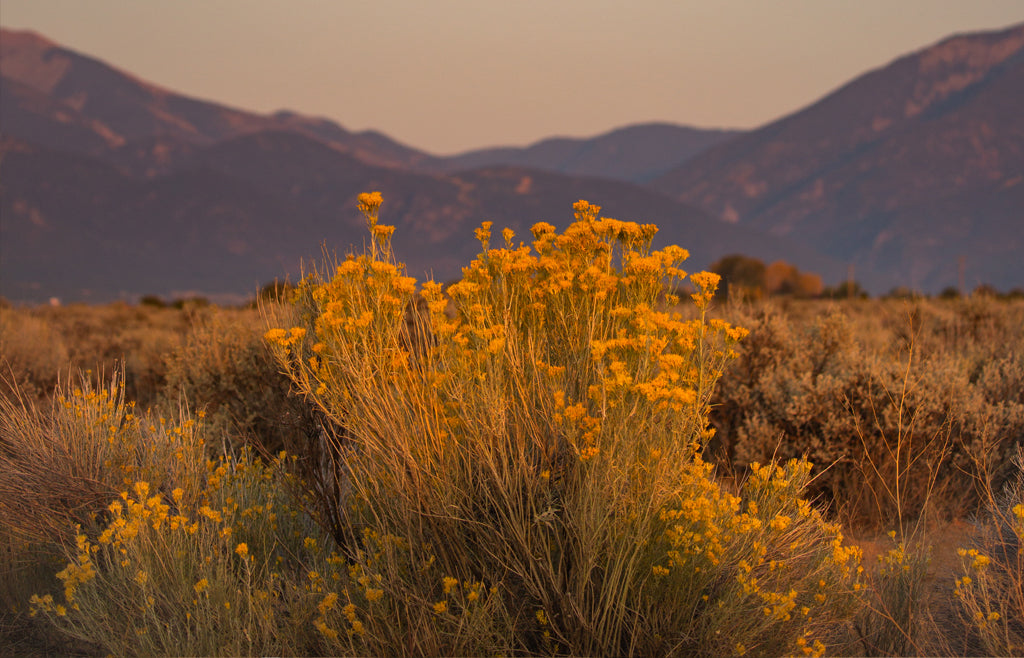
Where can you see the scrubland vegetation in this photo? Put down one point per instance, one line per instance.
(551, 456)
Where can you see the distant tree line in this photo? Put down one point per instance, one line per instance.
(749, 279)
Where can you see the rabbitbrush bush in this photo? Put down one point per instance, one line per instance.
(168, 552)
(518, 464)
(990, 592)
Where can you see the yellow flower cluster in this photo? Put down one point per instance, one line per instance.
(363, 308)
(79, 572)
(769, 535)
(369, 203)
(977, 560)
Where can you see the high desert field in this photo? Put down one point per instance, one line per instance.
(574, 450)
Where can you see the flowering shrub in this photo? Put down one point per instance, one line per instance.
(536, 433)
(199, 570)
(60, 465)
(990, 590)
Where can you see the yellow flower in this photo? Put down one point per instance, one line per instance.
(440, 607)
(383, 232)
(483, 234)
(201, 586)
(243, 550)
(328, 603)
(325, 630)
(277, 336)
(449, 583)
(369, 202)
(541, 228)
(707, 283)
(585, 211)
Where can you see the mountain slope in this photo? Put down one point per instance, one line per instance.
(120, 109)
(895, 172)
(636, 153)
(238, 213)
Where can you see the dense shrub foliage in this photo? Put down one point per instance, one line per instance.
(899, 403)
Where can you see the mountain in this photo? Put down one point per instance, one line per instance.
(900, 172)
(238, 213)
(636, 153)
(112, 187)
(61, 99)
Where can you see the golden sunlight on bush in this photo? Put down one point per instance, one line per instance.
(536, 429)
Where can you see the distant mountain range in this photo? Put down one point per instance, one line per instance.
(637, 153)
(112, 187)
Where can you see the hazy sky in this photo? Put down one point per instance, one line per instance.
(449, 75)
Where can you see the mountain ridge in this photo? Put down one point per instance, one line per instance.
(191, 195)
(241, 212)
(853, 172)
(637, 152)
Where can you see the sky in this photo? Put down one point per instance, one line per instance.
(446, 76)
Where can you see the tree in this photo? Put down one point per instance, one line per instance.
(742, 277)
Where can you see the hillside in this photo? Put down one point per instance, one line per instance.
(901, 171)
(239, 213)
(637, 153)
(113, 187)
(58, 98)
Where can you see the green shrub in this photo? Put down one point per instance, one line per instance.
(223, 563)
